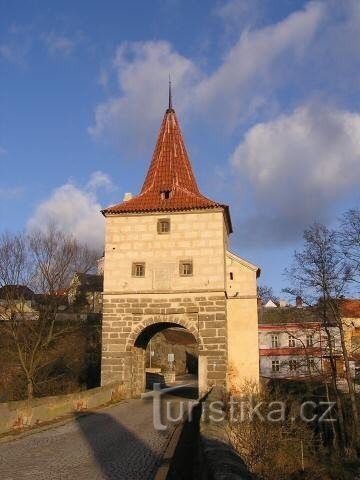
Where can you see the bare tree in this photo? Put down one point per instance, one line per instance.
(349, 236)
(266, 293)
(322, 275)
(41, 263)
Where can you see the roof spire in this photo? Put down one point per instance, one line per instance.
(170, 109)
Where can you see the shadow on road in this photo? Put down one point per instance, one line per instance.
(185, 463)
(184, 391)
(119, 452)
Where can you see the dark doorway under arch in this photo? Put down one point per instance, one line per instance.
(145, 336)
(165, 353)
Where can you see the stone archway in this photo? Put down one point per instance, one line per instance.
(153, 323)
(138, 341)
(125, 317)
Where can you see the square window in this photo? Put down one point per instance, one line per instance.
(275, 365)
(309, 340)
(186, 268)
(138, 269)
(274, 341)
(163, 225)
(292, 341)
(293, 365)
(311, 364)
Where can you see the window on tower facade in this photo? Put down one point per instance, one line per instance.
(186, 268)
(163, 225)
(138, 269)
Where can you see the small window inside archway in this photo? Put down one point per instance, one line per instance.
(163, 225)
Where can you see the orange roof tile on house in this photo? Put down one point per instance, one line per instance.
(350, 308)
(170, 184)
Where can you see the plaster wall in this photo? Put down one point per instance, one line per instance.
(197, 236)
(242, 321)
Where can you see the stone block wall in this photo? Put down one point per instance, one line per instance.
(129, 321)
(196, 236)
(37, 411)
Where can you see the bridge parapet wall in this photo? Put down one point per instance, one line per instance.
(218, 459)
(23, 414)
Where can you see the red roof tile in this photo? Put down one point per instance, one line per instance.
(170, 171)
(350, 308)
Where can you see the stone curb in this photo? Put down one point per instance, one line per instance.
(166, 460)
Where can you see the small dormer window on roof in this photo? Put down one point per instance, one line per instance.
(166, 194)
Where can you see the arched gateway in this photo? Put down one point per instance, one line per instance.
(139, 339)
(167, 263)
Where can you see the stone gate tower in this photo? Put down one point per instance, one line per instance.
(167, 263)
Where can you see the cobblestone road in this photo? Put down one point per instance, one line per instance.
(115, 443)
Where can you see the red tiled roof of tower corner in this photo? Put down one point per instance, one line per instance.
(170, 184)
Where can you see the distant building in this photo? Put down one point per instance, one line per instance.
(270, 304)
(17, 301)
(350, 309)
(293, 343)
(85, 292)
(100, 265)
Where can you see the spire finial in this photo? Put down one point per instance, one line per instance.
(170, 109)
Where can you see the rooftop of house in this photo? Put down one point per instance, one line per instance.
(170, 184)
(289, 315)
(16, 292)
(350, 308)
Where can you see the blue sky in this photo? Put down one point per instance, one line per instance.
(267, 93)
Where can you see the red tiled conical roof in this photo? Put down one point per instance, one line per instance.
(170, 183)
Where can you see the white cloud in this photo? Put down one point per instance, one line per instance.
(142, 70)
(75, 210)
(299, 165)
(239, 85)
(56, 43)
(237, 14)
(235, 89)
(100, 179)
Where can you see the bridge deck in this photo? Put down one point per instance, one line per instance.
(119, 442)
